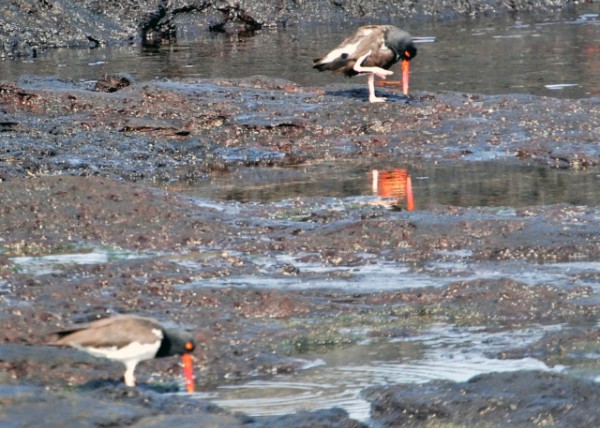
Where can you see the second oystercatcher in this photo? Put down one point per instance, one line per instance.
(372, 50)
(130, 339)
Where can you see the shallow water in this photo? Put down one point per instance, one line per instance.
(555, 56)
(381, 276)
(478, 184)
(54, 263)
(336, 379)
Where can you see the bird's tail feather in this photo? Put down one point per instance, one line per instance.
(338, 64)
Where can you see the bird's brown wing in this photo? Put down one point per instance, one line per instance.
(343, 57)
(109, 332)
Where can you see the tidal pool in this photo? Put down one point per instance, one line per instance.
(336, 379)
(474, 184)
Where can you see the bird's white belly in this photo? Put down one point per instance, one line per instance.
(133, 351)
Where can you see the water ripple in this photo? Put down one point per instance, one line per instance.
(447, 353)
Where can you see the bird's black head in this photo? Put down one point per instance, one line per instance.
(401, 43)
(410, 51)
(175, 343)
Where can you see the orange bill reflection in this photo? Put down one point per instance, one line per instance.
(393, 187)
(188, 372)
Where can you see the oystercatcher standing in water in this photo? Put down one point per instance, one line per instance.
(131, 339)
(372, 50)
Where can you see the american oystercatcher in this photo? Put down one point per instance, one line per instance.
(372, 50)
(131, 339)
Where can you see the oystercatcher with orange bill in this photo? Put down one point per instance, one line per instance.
(372, 50)
(131, 339)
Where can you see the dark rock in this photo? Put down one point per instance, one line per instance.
(517, 399)
(29, 406)
(321, 418)
(113, 82)
(250, 155)
(189, 421)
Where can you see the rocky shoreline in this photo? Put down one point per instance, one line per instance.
(84, 170)
(97, 170)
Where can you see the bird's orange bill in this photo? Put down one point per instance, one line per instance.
(405, 78)
(188, 372)
(410, 199)
(405, 75)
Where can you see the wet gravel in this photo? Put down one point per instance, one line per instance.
(84, 170)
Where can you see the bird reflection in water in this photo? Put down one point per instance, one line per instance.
(393, 187)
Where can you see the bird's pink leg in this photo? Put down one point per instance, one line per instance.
(372, 97)
(371, 72)
(377, 71)
(129, 373)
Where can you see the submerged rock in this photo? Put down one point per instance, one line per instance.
(113, 82)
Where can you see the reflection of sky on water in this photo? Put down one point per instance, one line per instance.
(381, 275)
(43, 265)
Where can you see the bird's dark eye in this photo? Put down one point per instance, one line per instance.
(344, 55)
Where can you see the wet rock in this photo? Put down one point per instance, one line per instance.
(83, 217)
(113, 82)
(321, 418)
(165, 128)
(154, 399)
(269, 121)
(123, 406)
(519, 399)
(237, 15)
(51, 24)
(248, 155)
(189, 421)
(30, 406)
(289, 269)
(7, 126)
